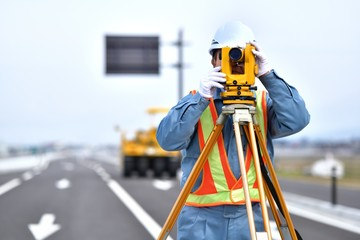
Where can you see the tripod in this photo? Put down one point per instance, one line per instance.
(243, 114)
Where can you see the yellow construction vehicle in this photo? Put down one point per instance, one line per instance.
(143, 153)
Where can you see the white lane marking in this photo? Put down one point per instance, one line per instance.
(9, 185)
(27, 176)
(36, 171)
(163, 184)
(63, 184)
(274, 231)
(102, 173)
(143, 217)
(45, 227)
(319, 217)
(68, 166)
(338, 216)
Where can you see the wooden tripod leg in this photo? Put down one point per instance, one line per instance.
(275, 183)
(195, 172)
(244, 181)
(259, 179)
(274, 209)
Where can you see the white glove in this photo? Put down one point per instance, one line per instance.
(212, 81)
(261, 60)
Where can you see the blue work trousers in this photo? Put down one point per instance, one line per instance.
(224, 222)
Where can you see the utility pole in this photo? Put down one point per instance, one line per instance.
(180, 64)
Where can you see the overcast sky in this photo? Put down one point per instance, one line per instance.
(53, 86)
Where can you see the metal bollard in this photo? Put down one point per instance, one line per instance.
(333, 186)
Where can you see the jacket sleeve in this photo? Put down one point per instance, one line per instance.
(176, 128)
(287, 113)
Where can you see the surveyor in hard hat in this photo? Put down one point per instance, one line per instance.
(213, 210)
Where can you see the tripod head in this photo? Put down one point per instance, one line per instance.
(240, 68)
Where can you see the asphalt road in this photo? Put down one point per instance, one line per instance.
(82, 199)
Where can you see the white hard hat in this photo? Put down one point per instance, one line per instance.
(232, 34)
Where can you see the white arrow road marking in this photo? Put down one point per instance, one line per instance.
(45, 227)
(163, 184)
(63, 184)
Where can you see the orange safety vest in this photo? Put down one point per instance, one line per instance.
(219, 185)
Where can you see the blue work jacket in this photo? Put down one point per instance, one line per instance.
(287, 114)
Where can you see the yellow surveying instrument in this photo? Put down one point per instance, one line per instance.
(239, 85)
(239, 101)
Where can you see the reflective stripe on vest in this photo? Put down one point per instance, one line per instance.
(219, 185)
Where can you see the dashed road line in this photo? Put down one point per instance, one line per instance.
(9, 185)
